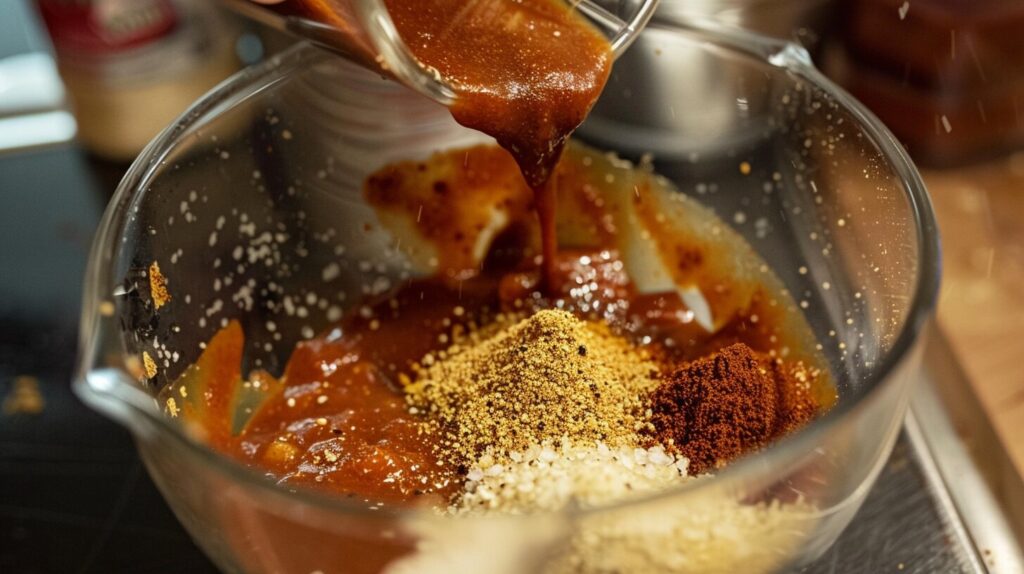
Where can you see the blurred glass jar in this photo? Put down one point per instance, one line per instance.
(131, 66)
(946, 77)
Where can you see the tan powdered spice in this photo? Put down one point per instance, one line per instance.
(543, 378)
(158, 286)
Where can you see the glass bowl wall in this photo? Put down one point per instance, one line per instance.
(254, 197)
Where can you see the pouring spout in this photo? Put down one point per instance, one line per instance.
(113, 393)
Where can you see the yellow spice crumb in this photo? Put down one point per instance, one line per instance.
(279, 451)
(158, 286)
(24, 397)
(149, 364)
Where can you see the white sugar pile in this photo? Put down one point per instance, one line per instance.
(553, 476)
(710, 531)
(707, 532)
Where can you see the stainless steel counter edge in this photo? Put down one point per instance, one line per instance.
(961, 455)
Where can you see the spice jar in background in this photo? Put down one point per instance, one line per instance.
(131, 66)
(946, 77)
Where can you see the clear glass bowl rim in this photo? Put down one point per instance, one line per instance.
(125, 396)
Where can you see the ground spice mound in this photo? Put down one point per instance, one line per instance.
(547, 377)
(719, 407)
(794, 383)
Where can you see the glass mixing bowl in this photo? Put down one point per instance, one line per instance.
(251, 206)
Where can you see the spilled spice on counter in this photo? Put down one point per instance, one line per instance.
(24, 397)
(719, 407)
(543, 378)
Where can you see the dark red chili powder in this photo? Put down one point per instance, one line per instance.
(717, 408)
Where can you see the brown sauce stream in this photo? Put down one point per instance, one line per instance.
(524, 72)
(546, 202)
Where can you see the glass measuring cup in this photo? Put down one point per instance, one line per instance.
(364, 32)
(829, 201)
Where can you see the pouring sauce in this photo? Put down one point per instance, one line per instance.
(525, 72)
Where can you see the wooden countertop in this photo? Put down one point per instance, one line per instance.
(981, 307)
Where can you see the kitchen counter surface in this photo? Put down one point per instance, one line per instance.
(981, 308)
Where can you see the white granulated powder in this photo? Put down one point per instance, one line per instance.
(550, 477)
(710, 530)
(705, 532)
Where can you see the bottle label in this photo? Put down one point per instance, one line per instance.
(106, 27)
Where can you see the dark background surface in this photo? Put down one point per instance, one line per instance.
(73, 494)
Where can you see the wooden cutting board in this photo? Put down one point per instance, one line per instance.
(981, 307)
